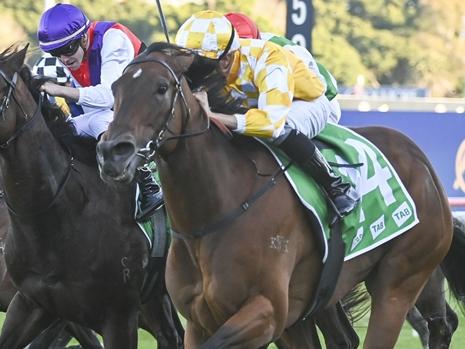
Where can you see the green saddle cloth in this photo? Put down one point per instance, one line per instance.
(386, 209)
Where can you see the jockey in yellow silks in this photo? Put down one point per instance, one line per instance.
(285, 99)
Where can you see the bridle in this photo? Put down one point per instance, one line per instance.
(6, 99)
(5, 103)
(148, 152)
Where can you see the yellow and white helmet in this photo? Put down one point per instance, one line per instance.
(209, 34)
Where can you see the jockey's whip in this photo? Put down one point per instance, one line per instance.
(163, 21)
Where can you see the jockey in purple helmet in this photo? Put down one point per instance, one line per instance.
(96, 54)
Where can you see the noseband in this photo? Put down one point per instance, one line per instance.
(148, 152)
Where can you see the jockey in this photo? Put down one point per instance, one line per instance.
(95, 53)
(247, 29)
(285, 99)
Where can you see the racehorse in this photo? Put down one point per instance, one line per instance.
(74, 251)
(244, 264)
(58, 334)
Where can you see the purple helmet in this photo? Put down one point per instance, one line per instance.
(60, 25)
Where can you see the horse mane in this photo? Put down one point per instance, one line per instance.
(10, 50)
(203, 74)
(52, 113)
(55, 118)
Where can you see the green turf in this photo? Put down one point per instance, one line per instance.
(408, 338)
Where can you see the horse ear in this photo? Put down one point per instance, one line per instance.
(17, 59)
(184, 62)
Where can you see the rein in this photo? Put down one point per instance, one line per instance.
(233, 215)
(148, 152)
(6, 99)
(29, 122)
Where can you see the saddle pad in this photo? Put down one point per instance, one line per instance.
(157, 228)
(386, 209)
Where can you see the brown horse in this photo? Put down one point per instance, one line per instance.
(74, 251)
(244, 264)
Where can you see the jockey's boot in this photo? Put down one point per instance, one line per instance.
(342, 196)
(151, 194)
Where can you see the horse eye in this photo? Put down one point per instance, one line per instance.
(162, 89)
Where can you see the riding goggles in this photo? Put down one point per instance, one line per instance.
(67, 50)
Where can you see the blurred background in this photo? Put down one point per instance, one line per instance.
(416, 47)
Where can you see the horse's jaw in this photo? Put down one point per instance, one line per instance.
(124, 177)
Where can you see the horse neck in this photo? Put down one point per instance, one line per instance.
(205, 177)
(33, 165)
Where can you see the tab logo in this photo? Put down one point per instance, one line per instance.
(402, 214)
(377, 227)
(357, 239)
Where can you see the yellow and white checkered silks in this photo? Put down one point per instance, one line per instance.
(268, 78)
(208, 34)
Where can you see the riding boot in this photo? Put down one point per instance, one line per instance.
(151, 194)
(303, 151)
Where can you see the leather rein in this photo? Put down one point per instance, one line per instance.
(148, 152)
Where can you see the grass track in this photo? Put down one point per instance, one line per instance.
(407, 340)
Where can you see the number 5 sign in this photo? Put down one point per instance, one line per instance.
(299, 22)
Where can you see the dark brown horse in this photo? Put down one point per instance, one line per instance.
(74, 251)
(58, 334)
(244, 275)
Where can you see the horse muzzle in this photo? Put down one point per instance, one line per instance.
(117, 160)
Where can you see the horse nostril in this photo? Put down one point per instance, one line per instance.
(123, 149)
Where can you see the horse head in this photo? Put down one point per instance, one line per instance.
(156, 116)
(13, 90)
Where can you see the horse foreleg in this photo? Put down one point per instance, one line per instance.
(336, 328)
(25, 320)
(159, 317)
(194, 336)
(85, 336)
(301, 335)
(54, 336)
(251, 327)
(120, 330)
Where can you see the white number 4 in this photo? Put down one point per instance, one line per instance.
(380, 177)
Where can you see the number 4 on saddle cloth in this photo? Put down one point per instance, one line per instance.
(385, 211)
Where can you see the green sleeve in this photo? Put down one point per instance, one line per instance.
(281, 41)
(331, 84)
